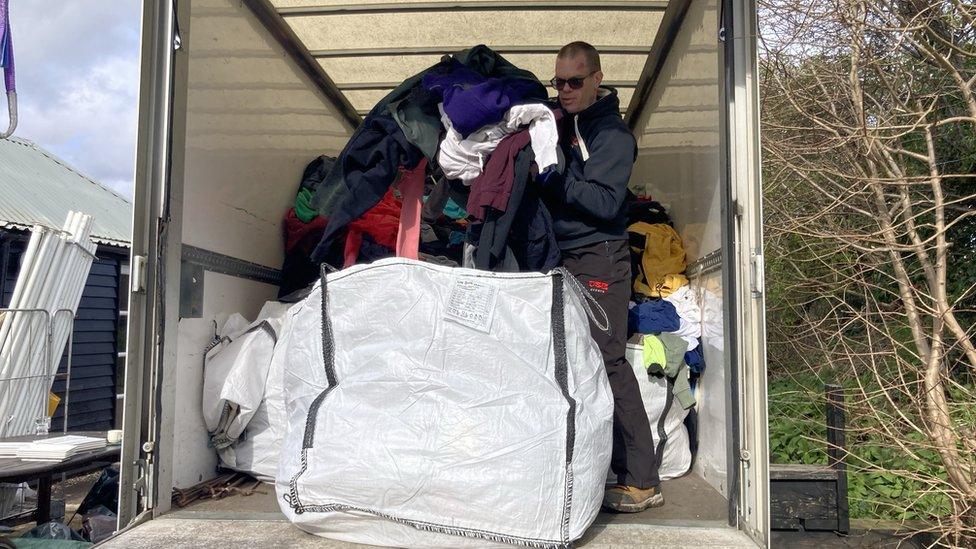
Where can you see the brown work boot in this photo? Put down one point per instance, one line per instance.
(628, 499)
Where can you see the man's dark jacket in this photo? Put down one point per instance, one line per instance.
(587, 201)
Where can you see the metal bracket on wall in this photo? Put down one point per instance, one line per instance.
(705, 264)
(197, 260)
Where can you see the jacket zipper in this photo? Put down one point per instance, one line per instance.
(579, 139)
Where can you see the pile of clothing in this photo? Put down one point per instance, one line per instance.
(665, 328)
(438, 171)
(664, 311)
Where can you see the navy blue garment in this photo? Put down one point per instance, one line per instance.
(370, 251)
(449, 76)
(695, 359)
(653, 316)
(526, 230)
(364, 172)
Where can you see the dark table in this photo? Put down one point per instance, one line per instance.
(15, 470)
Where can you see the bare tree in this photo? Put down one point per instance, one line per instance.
(869, 143)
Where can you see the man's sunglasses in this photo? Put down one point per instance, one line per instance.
(575, 83)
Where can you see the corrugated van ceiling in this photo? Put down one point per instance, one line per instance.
(368, 47)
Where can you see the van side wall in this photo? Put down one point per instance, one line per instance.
(253, 121)
(678, 165)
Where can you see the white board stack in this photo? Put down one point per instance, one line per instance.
(59, 448)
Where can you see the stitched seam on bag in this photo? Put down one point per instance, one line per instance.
(558, 324)
(440, 528)
(421, 265)
(328, 357)
(662, 434)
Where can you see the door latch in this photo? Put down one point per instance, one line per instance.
(758, 274)
(137, 282)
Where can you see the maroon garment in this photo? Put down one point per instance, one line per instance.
(493, 188)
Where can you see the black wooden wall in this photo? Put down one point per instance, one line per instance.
(95, 347)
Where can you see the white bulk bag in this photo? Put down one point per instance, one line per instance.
(666, 417)
(237, 387)
(256, 451)
(438, 407)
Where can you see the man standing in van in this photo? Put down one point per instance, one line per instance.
(586, 199)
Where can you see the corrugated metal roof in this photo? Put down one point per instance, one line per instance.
(37, 188)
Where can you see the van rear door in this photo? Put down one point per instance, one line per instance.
(151, 227)
(745, 257)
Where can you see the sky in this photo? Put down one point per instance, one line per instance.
(78, 83)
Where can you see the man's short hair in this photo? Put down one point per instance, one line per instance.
(581, 48)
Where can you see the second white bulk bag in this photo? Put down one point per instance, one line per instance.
(437, 407)
(242, 390)
(672, 445)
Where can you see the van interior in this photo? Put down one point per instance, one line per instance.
(262, 87)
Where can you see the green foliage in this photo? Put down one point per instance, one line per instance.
(883, 481)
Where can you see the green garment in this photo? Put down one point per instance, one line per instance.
(654, 356)
(303, 206)
(665, 354)
(420, 122)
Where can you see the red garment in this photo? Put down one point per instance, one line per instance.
(381, 223)
(298, 232)
(493, 188)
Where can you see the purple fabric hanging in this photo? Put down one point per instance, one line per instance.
(6, 48)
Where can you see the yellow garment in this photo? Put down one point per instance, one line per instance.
(655, 359)
(662, 259)
(668, 285)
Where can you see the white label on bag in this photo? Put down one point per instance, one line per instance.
(472, 304)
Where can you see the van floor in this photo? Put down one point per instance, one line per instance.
(695, 515)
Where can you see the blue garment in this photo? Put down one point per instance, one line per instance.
(454, 210)
(653, 316)
(473, 101)
(456, 238)
(453, 75)
(695, 359)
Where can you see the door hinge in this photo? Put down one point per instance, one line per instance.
(758, 273)
(137, 280)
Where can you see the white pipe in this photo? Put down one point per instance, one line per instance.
(24, 337)
(38, 364)
(21, 329)
(85, 257)
(72, 287)
(53, 276)
(25, 284)
(74, 271)
(26, 259)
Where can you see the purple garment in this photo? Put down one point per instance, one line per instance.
(485, 104)
(472, 101)
(449, 78)
(653, 316)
